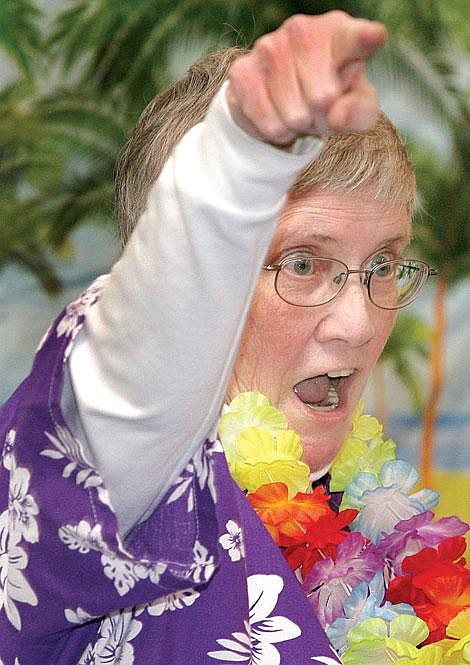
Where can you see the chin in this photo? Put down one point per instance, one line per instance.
(320, 458)
(322, 433)
(321, 451)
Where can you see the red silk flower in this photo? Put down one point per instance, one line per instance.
(436, 584)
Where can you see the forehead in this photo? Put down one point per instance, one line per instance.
(337, 220)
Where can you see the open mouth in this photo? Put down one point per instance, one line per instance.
(322, 392)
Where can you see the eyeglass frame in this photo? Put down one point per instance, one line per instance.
(277, 267)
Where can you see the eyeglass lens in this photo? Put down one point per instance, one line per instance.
(309, 281)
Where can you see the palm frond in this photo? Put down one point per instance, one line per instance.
(84, 28)
(91, 125)
(408, 65)
(410, 339)
(34, 261)
(20, 35)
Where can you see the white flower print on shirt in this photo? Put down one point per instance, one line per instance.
(8, 448)
(123, 572)
(78, 616)
(17, 523)
(80, 306)
(183, 484)
(14, 587)
(232, 541)
(68, 448)
(22, 506)
(172, 602)
(113, 645)
(256, 645)
(326, 660)
(88, 656)
(203, 567)
(155, 571)
(83, 537)
(70, 323)
(202, 467)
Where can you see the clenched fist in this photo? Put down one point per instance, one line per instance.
(307, 78)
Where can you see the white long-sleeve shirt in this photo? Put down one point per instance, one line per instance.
(149, 370)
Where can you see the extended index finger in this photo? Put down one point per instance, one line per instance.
(356, 40)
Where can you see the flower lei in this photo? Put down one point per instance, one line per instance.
(387, 580)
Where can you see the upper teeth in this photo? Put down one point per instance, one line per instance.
(340, 373)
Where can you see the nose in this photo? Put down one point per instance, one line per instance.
(350, 316)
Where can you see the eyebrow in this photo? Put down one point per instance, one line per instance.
(324, 238)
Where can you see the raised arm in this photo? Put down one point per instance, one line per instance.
(152, 364)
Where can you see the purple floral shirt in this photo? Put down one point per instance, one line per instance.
(200, 581)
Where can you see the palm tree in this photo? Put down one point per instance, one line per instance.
(444, 238)
(24, 166)
(23, 162)
(57, 153)
(445, 242)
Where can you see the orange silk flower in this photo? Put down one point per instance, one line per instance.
(289, 517)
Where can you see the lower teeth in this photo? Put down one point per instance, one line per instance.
(331, 402)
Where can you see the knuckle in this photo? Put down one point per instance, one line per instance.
(298, 121)
(238, 69)
(267, 46)
(273, 128)
(300, 29)
(322, 99)
(337, 15)
(297, 22)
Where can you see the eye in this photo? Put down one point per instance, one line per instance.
(301, 265)
(375, 262)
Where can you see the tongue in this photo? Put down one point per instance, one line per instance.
(314, 390)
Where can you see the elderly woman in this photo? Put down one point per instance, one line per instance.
(273, 205)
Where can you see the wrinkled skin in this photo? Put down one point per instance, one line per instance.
(284, 344)
(308, 78)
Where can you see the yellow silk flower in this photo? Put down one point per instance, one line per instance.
(459, 629)
(262, 457)
(373, 642)
(364, 449)
(249, 409)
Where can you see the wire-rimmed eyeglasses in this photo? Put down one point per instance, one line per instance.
(308, 281)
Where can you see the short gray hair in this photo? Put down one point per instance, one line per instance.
(376, 159)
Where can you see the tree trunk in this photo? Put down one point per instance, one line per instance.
(437, 380)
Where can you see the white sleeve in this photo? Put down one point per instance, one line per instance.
(150, 368)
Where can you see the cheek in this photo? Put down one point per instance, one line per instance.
(276, 327)
(269, 346)
(384, 326)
